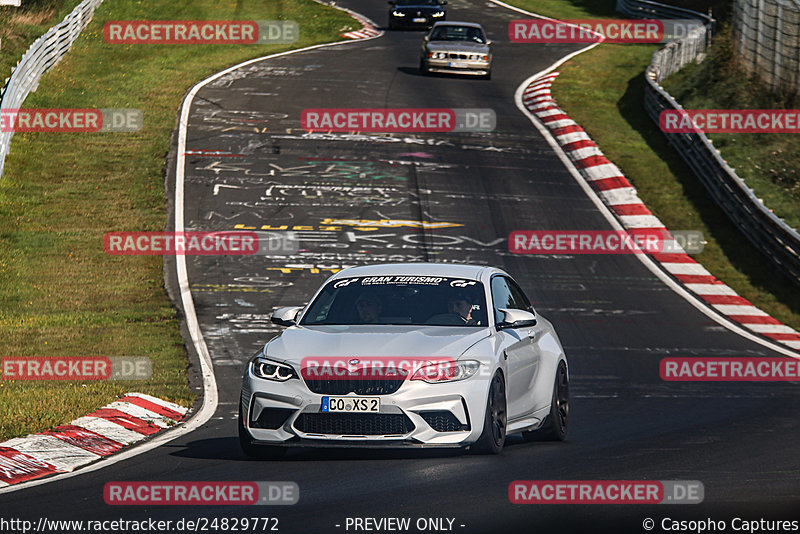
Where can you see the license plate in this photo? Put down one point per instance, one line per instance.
(459, 64)
(421, 19)
(351, 404)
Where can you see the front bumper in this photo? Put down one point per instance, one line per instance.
(422, 22)
(449, 66)
(417, 415)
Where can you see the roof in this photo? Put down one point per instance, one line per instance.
(457, 23)
(452, 270)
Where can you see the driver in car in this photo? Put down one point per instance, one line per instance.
(461, 305)
(369, 308)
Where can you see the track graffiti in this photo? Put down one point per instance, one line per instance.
(228, 288)
(408, 140)
(260, 70)
(330, 170)
(249, 323)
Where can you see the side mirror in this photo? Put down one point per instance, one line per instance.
(516, 319)
(488, 42)
(426, 38)
(286, 316)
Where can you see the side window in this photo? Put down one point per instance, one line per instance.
(519, 296)
(502, 297)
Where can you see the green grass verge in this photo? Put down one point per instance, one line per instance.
(603, 90)
(769, 163)
(60, 295)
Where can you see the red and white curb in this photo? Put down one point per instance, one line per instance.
(132, 418)
(620, 196)
(368, 29)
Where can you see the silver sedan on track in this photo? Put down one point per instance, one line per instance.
(407, 355)
(456, 48)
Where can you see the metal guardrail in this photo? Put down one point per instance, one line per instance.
(765, 230)
(647, 9)
(42, 55)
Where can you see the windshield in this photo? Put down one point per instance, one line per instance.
(406, 300)
(458, 33)
(417, 3)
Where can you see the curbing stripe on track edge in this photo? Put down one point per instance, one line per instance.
(609, 184)
(84, 440)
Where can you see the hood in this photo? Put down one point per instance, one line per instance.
(296, 343)
(458, 46)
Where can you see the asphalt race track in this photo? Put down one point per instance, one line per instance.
(616, 319)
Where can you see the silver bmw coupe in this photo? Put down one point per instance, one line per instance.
(407, 355)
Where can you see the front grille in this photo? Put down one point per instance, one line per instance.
(272, 418)
(413, 14)
(453, 55)
(354, 424)
(359, 386)
(443, 421)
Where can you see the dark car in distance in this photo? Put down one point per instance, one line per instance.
(421, 14)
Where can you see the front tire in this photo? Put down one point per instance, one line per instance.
(261, 452)
(556, 423)
(494, 423)
(422, 68)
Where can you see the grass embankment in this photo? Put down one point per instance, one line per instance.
(769, 163)
(603, 90)
(21, 26)
(60, 295)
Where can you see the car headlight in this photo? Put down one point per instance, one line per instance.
(270, 370)
(479, 57)
(439, 14)
(436, 373)
(398, 14)
(438, 55)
